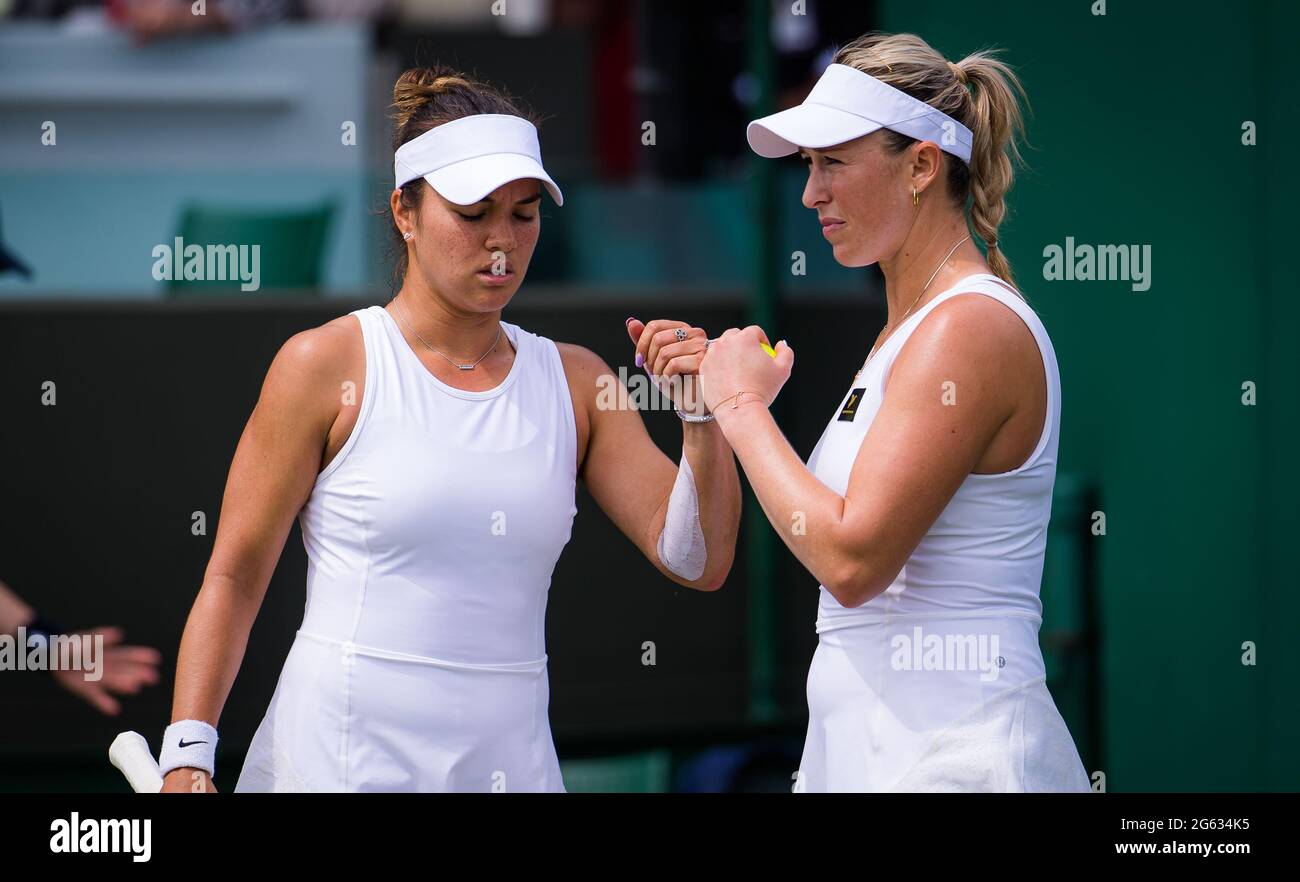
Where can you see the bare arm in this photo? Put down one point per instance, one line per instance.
(916, 454)
(271, 476)
(631, 478)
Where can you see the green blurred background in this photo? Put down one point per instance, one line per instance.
(1137, 130)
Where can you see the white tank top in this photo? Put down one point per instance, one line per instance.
(984, 553)
(434, 531)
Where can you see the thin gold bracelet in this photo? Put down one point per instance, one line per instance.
(737, 395)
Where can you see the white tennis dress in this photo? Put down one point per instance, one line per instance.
(938, 683)
(431, 539)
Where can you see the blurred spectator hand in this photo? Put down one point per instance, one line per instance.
(123, 669)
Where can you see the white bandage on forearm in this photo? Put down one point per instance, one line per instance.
(188, 744)
(681, 544)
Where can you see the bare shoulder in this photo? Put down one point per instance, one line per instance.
(973, 331)
(312, 364)
(580, 361)
(324, 349)
(973, 341)
(978, 322)
(583, 369)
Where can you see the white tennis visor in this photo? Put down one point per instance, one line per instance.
(847, 104)
(468, 158)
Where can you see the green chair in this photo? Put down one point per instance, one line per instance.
(290, 247)
(627, 773)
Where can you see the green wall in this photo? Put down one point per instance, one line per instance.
(1136, 136)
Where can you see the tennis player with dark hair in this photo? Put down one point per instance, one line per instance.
(430, 452)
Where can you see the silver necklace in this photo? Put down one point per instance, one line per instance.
(463, 367)
(876, 348)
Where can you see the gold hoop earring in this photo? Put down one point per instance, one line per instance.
(916, 197)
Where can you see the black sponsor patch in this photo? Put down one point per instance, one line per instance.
(851, 406)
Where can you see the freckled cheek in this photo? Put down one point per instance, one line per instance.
(527, 236)
(461, 247)
(455, 252)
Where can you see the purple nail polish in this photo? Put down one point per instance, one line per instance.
(640, 359)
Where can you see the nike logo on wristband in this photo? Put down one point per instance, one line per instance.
(185, 743)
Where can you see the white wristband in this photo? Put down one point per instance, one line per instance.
(188, 744)
(681, 544)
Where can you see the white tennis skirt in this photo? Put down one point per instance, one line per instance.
(952, 704)
(346, 717)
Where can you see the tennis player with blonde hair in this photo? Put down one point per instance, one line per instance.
(923, 509)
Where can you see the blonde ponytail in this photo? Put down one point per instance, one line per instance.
(996, 123)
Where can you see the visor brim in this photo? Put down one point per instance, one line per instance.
(806, 125)
(472, 180)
